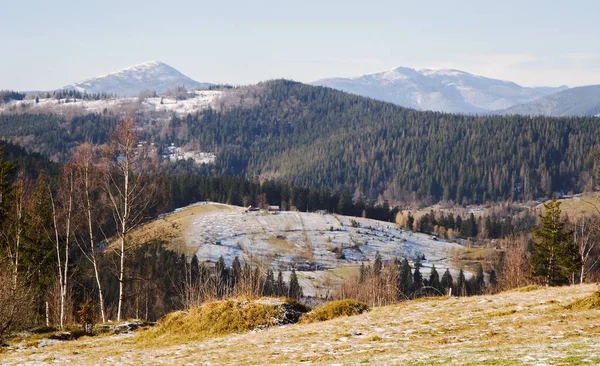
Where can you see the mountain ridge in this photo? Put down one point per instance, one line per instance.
(444, 90)
(130, 81)
(578, 101)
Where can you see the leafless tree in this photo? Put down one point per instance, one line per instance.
(129, 188)
(87, 180)
(586, 235)
(16, 303)
(515, 268)
(62, 218)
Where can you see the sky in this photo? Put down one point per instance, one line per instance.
(50, 44)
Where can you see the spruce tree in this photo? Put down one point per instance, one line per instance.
(417, 277)
(362, 274)
(410, 221)
(281, 288)
(295, 291)
(194, 270)
(221, 272)
(461, 284)
(493, 279)
(236, 271)
(405, 279)
(479, 280)
(269, 287)
(434, 280)
(447, 281)
(555, 257)
(6, 170)
(377, 265)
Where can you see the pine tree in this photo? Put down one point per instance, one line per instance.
(362, 274)
(405, 279)
(295, 291)
(221, 276)
(461, 284)
(377, 264)
(479, 280)
(417, 276)
(447, 282)
(344, 206)
(493, 279)
(194, 270)
(434, 280)
(236, 271)
(269, 287)
(281, 288)
(554, 257)
(6, 170)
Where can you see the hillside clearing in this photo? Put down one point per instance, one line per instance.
(529, 328)
(307, 241)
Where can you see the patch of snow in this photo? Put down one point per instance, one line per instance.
(200, 100)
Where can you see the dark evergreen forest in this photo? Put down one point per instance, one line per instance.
(325, 139)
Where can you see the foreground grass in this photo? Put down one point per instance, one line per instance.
(220, 318)
(538, 326)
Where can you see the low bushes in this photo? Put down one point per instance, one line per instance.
(224, 317)
(591, 302)
(334, 309)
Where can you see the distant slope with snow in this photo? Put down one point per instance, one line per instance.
(156, 106)
(439, 90)
(130, 81)
(307, 241)
(580, 101)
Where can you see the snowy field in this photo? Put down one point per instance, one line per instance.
(201, 100)
(306, 241)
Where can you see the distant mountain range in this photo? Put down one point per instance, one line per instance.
(580, 101)
(153, 75)
(444, 90)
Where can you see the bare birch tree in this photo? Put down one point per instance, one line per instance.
(586, 235)
(87, 187)
(129, 189)
(62, 218)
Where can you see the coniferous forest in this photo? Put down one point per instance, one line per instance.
(325, 139)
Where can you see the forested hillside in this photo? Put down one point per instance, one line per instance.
(319, 137)
(325, 139)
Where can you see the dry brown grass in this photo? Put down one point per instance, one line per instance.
(591, 302)
(219, 318)
(588, 204)
(171, 228)
(510, 328)
(334, 309)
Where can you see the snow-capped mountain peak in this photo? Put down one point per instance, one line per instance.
(447, 90)
(130, 81)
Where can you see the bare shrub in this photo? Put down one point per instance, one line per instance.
(17, 310)
(514, 265)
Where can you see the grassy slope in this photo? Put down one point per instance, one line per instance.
(587, 204)
(527, 327)
(171, 227)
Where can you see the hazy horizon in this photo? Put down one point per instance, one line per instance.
(539, 43)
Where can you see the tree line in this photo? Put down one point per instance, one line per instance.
(483, 227)
(382, 283)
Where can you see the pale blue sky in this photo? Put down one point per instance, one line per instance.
(48, 44)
